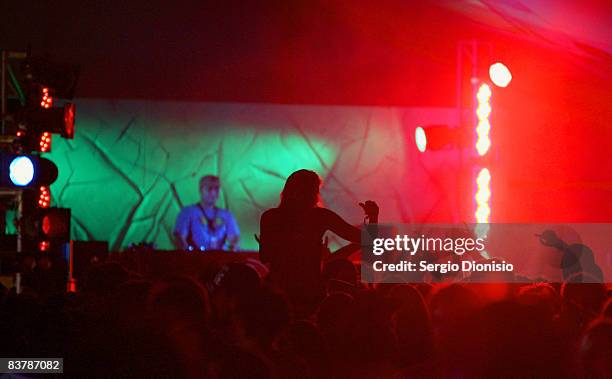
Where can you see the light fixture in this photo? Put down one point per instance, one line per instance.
(500, 74)
(21, 171)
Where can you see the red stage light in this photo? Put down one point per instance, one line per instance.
(500, 74)
(482, 197)
(483, 144)
(44, 198)
(44, 245)
(483, 194)
(46, 224)
(46, 100)
(55, 224)
(421, 139)
(45, 142)
(483, 111)
(69, 110)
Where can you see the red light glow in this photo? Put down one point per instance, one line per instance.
(45, 142)
(69, 110)
(46, 99)
(483, 128)
(44, 245)
(483, 143)
(46, 225)
(44, 198)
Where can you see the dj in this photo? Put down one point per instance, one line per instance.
(204, 226)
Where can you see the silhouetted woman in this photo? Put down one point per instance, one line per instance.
(291, 236)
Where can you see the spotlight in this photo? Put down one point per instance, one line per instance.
(52, 120)
(420, 138)
(55, 224)
(21, 171)
(500, 74)
(438, 137)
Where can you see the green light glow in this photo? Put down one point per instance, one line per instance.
(126, 177)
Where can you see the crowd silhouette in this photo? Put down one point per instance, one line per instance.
(309, 317)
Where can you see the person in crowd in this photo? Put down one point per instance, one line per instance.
(291, 236)
(204, 226)
(596, 349)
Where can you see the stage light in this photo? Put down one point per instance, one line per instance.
(26, 171)
(27, 142)
(483, 195)
(21, 171)
(44, 142)
(484, 142)
(55, 224)
(44, 245)
(500, 74)
(483, 111)
(437, 137)
(69, 111)
(59, 120)
(44, 197)
(420, 138)
(46, 100)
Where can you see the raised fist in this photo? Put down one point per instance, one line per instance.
(371, 210)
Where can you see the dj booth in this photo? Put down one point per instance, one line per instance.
(160, 263)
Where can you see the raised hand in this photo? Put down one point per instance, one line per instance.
(371, 210)
(550, 238)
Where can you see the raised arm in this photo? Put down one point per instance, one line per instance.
(336, 224)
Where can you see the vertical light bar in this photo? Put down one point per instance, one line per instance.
(483, 144)
(483, 194)
(483, 141)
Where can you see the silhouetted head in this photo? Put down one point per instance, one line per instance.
(542, 298)
(453, 303)
(236, 279)
(340, 269)
(411, 324)
(301, 190)
(263, 316)
(333, 311)
(581, 291)
(178, 299)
